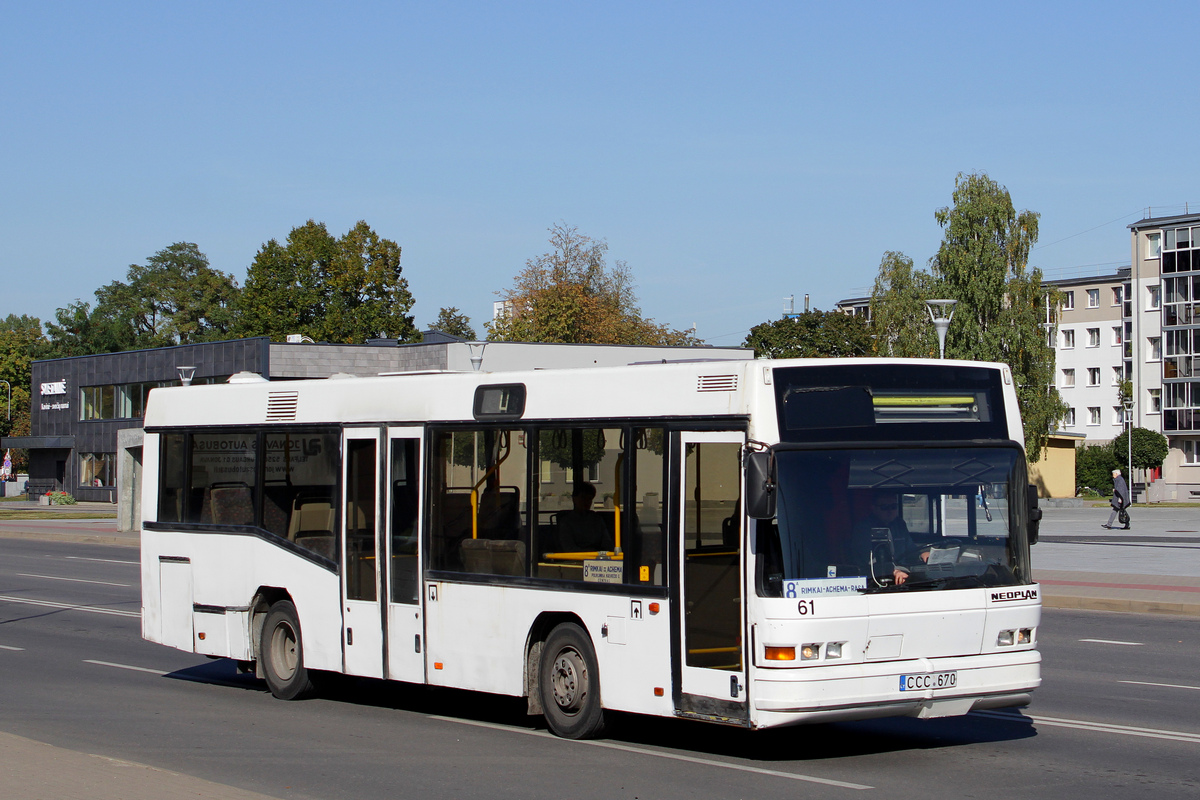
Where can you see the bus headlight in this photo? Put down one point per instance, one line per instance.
(1025, 636)
(810, 652)
(1005, 639)
(833, 650)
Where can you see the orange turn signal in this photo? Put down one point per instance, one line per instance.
(780, 653)
(437, 665)
(654, 608)
(658, 691)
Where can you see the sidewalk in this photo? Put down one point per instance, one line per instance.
(36, 771)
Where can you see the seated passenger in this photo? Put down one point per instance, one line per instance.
(581, 528)
(884, 524)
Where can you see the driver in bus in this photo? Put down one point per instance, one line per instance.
(581, 529)
(882, 526)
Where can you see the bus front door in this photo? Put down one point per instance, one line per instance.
(405, 625)
(362, 615)
(713, 655)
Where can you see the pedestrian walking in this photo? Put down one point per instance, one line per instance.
(1119, 502)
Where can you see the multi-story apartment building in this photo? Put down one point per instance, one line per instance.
(1164, 334)
(1089, 354)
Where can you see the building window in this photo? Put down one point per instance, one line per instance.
(1153, 297)
(1154, 348)
(1093, 376)
(1068, 339)
(1093, 415)
(1153, 245)
(1118, 374)
(1116, 340)
(1093, 337)
(1118, 415)
(1068, 301)
(1189, 451)
(98, 402)
(97, 469)
(1118, 294)
(1093, 298)
(1069, 418)
(1155, 401)
(1068, 377)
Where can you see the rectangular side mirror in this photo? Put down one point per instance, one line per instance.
(760, 485)
(1035, 514)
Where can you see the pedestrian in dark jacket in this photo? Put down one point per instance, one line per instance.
(1120, 499)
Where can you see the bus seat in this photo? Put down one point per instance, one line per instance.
(310, 516)
(322, 545)
(231, 504)
(494, 556)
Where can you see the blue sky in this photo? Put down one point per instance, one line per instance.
(731, 154)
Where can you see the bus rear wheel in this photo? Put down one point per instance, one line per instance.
(283, 653)
(570, 684)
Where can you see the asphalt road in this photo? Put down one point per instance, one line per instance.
(1119, 710)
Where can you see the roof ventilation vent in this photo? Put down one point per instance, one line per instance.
(717, 383)
(281, 406)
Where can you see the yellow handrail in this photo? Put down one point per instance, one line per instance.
(505, 449)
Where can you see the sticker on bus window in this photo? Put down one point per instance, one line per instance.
(603, 571)
(823, 587)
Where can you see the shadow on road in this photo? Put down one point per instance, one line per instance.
(797, 744)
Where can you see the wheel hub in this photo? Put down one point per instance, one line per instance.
(568, 679)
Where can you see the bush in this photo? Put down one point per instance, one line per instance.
(1093, 468)
(61, 498)
(1149, 448)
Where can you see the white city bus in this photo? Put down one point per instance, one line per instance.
(756, 543)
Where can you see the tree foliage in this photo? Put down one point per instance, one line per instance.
(346, 289)
(174, 298)
(983, 264)
(1094, 464)
(571, 295)
(453, 323)
(1149, 448)
(21, 342)
(813, 334)
(899, 318)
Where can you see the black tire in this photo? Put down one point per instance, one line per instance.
(570, 684)
(282, 653)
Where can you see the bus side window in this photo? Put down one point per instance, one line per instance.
(478, 515)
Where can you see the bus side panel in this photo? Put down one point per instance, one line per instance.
(226, 572)
(477, 635)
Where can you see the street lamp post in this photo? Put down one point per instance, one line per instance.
(1127, 404)
(941, 312)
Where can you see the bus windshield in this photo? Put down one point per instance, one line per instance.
(895, 519)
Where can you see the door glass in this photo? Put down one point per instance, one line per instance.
(712, 541)
(360, 519)
(404, 498)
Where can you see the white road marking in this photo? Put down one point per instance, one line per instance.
(71, 606)
(9, 647)
(157, 672)
(1110, 641)
(73, 580)
(105, 560)
(1098, 727)
(1164, 685)
(775, 773)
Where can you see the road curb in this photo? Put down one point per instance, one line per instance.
(73, 538)
(1119, 604)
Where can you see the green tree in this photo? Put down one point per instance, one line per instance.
(983, 264)
(21, 341)
(1094, 464)
(452, 323)
(813, 334)
(337, 290)
(1149, 448)
(571, 295)
(1000, 315)
(174, 298)
(899, 318)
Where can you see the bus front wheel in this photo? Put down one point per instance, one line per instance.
(570, 684)
(283, 653)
